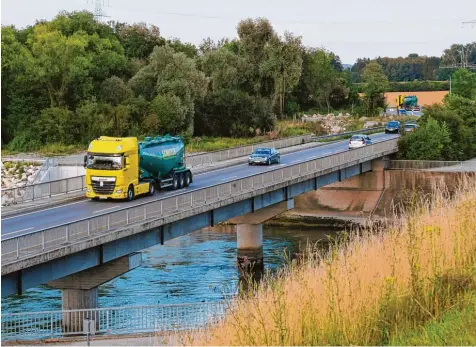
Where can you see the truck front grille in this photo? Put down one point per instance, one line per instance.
(106, 189)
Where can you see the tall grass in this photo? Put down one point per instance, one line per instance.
(370, 286)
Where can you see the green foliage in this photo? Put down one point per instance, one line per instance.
(376, 84)
(464, 84)
(454, 328)
(114, 91)
(71, 79)
(138, 39)
(170, 112)
(427, 143)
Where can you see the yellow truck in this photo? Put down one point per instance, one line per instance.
(123, 168)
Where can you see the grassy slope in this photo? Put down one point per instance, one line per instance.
(457, 327)
(376, 288)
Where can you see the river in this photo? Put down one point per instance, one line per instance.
(198, 267)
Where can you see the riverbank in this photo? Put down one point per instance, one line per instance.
(371, 289)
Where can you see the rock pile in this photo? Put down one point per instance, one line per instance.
(332, 123)
(18, 174)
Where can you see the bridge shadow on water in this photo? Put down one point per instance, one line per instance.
(199, 267)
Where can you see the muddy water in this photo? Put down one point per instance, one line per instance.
(199, 267)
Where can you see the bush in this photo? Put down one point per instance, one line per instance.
(426, 143)
(24, 142)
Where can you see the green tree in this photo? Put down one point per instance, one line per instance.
(57, 60)
(375, 85)
(427, 143)
(114, 91)
(138, 39)
(464, 84)
(171, 114)
(284, 65)
(321, 78)
(171, 79)
(57, 125)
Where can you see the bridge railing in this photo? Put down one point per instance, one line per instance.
(431, 165)
(72, 184)
(113, 320)
(40, 241)
(196, 160)
(42, 190)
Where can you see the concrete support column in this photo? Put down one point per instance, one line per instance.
(80, 290)
(250, 252)
(379, 174)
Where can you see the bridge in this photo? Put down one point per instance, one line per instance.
(77, 247)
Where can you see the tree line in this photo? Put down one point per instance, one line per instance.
(72, 79)
(421, 68)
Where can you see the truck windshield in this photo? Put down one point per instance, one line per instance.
(103, 162)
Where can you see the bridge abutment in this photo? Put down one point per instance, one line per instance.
(80, 290)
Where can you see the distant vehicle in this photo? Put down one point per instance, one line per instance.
(409, 127)
(359, 140)
(392, 127)
(266, 156)
(407, 102)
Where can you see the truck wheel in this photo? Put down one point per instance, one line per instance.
(181, 181)
(130, 193)
(187, 179)
(151, 188)
(175, 182)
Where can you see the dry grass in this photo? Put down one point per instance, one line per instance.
(369, 287)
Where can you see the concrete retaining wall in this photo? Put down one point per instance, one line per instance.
(374, 193)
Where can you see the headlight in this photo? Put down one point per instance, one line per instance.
(88, 190)
(119, 191)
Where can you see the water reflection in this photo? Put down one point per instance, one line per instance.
(197, 267)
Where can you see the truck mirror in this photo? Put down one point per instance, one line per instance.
(85, 161)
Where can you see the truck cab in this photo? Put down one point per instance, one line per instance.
(112, 169)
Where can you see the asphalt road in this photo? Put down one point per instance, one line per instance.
(50, 217)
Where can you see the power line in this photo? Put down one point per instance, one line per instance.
(471, 22)
(99, 13)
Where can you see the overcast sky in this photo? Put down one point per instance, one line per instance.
(347, 27)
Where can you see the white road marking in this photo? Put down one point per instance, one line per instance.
(46, 209)
(18, 231)
(105, 209)
(227, 178)
(295, 161)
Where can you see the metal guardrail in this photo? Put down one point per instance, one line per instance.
(50, 238)
(432, 165)
(196, 160)
(361, 131)
(114, 320)
(72, 184)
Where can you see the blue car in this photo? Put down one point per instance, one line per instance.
(266, 156)
(392, 127)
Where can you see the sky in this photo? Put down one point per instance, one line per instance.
(350, 28)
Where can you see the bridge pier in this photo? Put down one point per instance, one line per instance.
(80, 290)
(249, 239)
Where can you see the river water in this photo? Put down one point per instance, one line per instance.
(198, 267)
